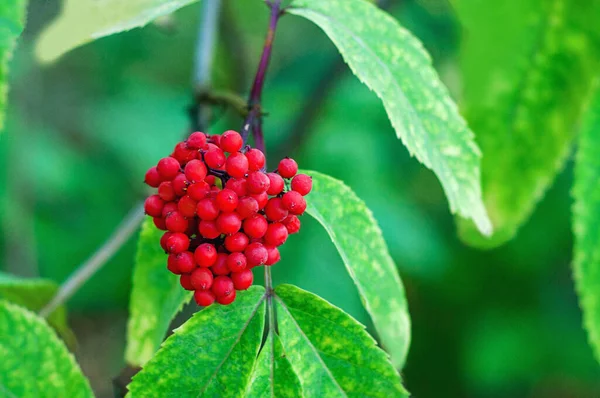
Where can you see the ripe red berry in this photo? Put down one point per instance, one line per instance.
(257, 182)
(222, 286)
(215, 139)
(236, 262)
(172, 264)
(261, 198)
(302, 184)
(166, 191)
(207, 209)
(180, 184)
(231, 141)
(256, 159)
(201, 279)
(246, 207)
(287, 168)
(237, 185)
(159, 222)
(177, 242)
(256, 254)
(220, 266)
(153, 206)
(208, 229)
(198, 190)
(226, 200)
(164, 239)
(255, 226)
(168, 208)
(205, 255)
(273, 255)
(176, 222)
(236, 242)
(276, 184)
(242, 280)
(292, 223)
(210, 179)
(226, 300)
(185, 262)
(196, 140)
(183, 154)
(168, 168)
(215, 158)
(275, 210)
(185, 282)
(276, 234)
(228, 223)
(204, 298)
(195, 170)
(152, 177)
(187, 206)
(237, 165)
(294, 202)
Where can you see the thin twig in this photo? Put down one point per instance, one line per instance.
(85, 271)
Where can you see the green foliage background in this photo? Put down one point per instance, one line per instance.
(79, 135)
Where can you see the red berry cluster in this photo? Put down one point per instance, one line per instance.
(223, 214)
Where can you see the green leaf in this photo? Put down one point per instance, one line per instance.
(523, 96)
(12, 21)
(35, 363)
(358, 239)
(273, 375)
(394, 64)
(34, 294)
(156, 298)
(82, 21)
(586, 222)
(211, 355)
(331, 353)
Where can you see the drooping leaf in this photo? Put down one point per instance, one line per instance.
(331, 353)
(527, 69)
(211, 355)
(156, 298)
(358, 239)
(393, 63)
(12, 21)
(34, 294)
(273, 375)
(34, 362)
(586, 222)
(82, 21)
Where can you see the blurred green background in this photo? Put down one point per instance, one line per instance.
(80, 134)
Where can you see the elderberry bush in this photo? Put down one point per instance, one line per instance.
(222, 213)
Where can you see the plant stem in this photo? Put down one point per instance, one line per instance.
(85, 271)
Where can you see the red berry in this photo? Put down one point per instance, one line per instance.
(187, 206)
(236, 262)
(185, 262)
(166, 191)
(215, 158)
(256, 159)
(294, 202)
(168, 168)
(196, 140)
(163, 240)
(176, 222)
(237, 165)
(180, 184)
(256, 254)
(292, 223)
(185, 282)
(287, 168)
(172, 264)
(215, 139)
(204, 298)
(302, 184)
(226, 300)
(159, 223)
(261, 198)
(177, 242)
(210, 180)
(242, 280)
(246, 207)
(220, 266)
(152, 178)
(208, 229)
(195, 170)
(222, 286)
(231, 141)
(255, 226)
(274, 210)
(205, 255)
(276, 234)
(273, 255)
(257, 182)
(201, 278)
(237, 185)
(153, 206)
(226, 200)
(236, 242)
(229, 223)
(207, 209)
(168, 208)
(198, 190)
(276, 184)
(183, 154)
